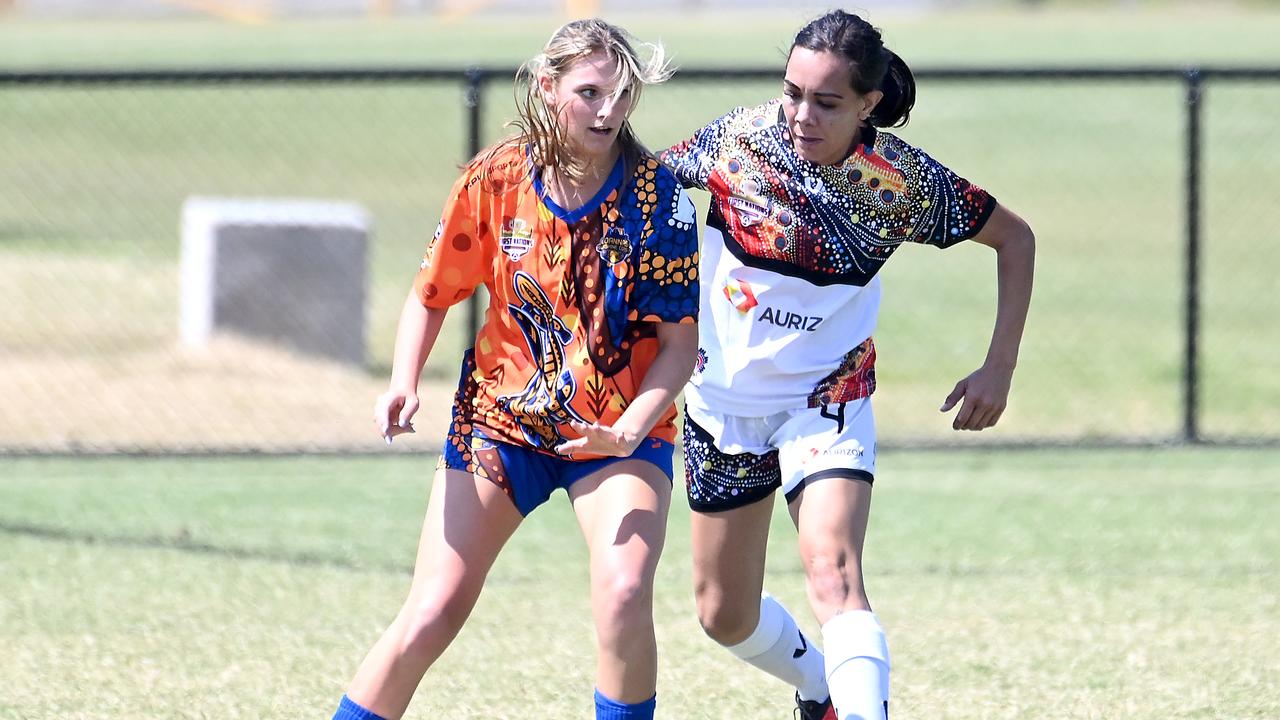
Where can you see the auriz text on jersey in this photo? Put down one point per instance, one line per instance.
(790, 320)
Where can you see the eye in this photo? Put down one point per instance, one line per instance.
(589, 93)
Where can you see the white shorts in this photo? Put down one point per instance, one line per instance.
(731, 461)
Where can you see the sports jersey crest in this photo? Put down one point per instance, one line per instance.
(615, 246)
(516, 239)
(750, 204)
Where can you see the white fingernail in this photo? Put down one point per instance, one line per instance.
(388, 439)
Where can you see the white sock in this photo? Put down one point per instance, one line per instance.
(778, 647)
(857, 665)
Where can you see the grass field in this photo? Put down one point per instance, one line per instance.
(1135, 584)
(1115, 584)
(94, 178)
(1213, 32)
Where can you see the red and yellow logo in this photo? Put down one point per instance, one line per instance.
(739, 294)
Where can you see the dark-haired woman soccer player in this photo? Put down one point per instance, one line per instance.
(588, 248)
(808, 200)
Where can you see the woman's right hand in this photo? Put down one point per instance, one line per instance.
(393, 413)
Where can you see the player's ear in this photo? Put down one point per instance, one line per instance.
(548, 88)
(869, 102)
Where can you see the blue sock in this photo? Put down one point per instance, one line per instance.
(349, 709)
(607, 709)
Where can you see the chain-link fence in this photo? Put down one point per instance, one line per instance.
(1150, 190)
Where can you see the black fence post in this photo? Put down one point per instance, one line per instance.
(475, 81)
(1191, 374)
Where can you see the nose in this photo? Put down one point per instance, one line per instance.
(608, 106)
(804, 114)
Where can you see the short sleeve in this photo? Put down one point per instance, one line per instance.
(666, 283)
(951, 208)
(455, 260)
(693, 160)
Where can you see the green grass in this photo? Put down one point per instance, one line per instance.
(94, 178)
(1208, 34)
(1135, 584)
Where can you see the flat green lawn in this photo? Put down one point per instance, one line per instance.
(1213, 33)
(1134, 584)
(93, 181)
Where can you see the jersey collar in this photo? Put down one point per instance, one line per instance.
(572, 216)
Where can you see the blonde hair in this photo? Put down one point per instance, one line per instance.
(536, 123)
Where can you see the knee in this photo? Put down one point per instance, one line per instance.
(623, 599)
(429, 621)
(727, 620)
(835, 578)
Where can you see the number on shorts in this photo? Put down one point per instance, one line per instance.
(838, 416)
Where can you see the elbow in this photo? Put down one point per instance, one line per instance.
(1021, 251)
(1021, 240)
(1024, 235)
(1015, 246)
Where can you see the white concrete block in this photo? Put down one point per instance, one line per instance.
(288, 271)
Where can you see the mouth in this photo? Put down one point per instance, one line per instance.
(803, 141)
(600, 131)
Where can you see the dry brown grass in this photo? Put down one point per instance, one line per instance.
(235, 393)
(90, 360)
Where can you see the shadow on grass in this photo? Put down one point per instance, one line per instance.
(183, 543)
(957, 570)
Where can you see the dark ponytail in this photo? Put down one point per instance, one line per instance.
(899, 88)
(872, 65)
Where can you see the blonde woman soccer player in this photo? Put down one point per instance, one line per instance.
(588, 248)
(808, 200)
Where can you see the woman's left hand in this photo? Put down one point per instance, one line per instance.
(599, 440)
(985, 392)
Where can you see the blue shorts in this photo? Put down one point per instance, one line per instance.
(528, 476)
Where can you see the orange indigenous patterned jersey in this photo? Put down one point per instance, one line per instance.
(574, 295)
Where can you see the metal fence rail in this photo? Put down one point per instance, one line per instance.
(84, 191)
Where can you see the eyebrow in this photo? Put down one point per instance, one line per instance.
(794, 86)
(598, 86)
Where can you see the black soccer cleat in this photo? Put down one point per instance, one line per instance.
(814, 709)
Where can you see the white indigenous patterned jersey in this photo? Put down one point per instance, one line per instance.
(789, 294)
